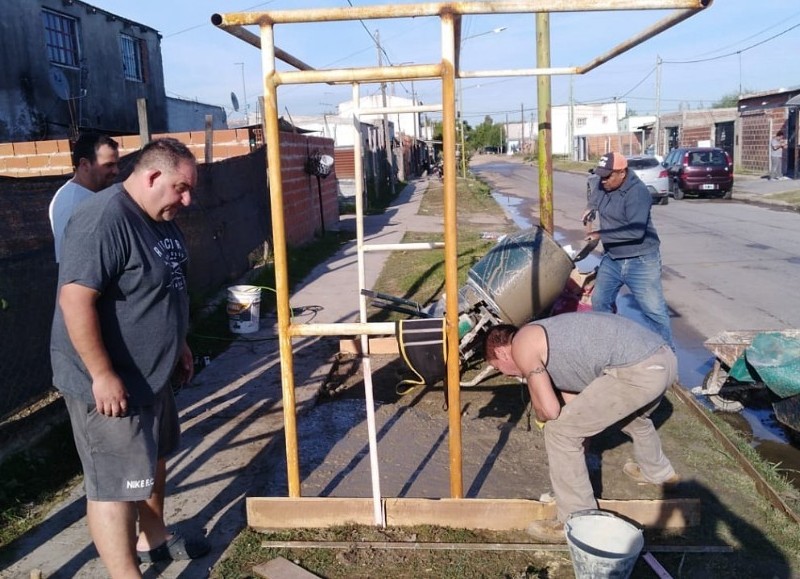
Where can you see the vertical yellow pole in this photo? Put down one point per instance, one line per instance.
(451, 252)
(545, 128)
(279, 248)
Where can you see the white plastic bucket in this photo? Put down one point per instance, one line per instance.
(244, 305)
(602, 545)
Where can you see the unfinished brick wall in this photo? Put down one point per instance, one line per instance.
(756, 131)
(629, 144)
(40, 158)
(229, 218)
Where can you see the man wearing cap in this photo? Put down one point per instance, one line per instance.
(630, 242)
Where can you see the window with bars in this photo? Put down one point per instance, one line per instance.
(132, 61)
(61, 38)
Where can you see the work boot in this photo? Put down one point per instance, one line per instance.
(547, 531)
(633, 471)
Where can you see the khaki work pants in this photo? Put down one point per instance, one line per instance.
(626, 395)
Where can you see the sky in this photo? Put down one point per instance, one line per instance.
(730, 48)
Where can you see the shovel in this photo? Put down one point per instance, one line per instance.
(585, 250)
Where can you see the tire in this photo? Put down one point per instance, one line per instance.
(678, 193)
(664, 200)
(717, 400)
(727, 194)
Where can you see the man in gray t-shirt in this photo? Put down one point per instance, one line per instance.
(118, 340)
(586, 372)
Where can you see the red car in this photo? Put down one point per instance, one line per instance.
(699, 171)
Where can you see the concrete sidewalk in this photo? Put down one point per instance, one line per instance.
(759, 189)
(231, 416)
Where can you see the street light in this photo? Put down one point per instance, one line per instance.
(461, 99)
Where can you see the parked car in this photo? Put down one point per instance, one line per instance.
(649, 170)
(652, 174)
(699, 171)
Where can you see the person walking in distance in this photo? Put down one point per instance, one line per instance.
(118, 343)
(586, 372)
(631, 245)
(776, 146)
(95, 160)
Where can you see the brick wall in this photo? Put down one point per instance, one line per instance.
(229, 218)
(756, 131)
(629, 144)
(40, 158)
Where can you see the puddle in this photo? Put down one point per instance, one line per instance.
(513, 206)
(768, 436)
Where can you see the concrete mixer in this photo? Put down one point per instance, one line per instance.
(517, 281)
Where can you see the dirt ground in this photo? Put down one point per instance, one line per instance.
(740, 535)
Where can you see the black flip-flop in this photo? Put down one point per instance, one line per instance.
(176, 548)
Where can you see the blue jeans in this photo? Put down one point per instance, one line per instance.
(642, 275)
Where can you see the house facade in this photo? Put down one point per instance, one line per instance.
(67, 66)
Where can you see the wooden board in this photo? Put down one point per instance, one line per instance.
(385, 345)
(265, 513)
(280, 568)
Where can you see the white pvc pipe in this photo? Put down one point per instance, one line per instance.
(378, 513)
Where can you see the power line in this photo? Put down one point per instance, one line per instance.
(735, 52)
(170, 35)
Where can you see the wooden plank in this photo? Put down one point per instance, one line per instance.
(280, 568)
(657, 514)
(382, 345)
(264, 513)
(491, 514)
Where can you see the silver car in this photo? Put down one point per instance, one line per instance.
(652, 174)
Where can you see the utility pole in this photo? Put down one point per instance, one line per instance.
(522, 125)
(571, 122)
(386, 137)
(657, 136)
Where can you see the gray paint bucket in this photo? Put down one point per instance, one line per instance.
(244, 307)
(602, 545)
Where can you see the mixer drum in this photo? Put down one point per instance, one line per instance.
(520, 277)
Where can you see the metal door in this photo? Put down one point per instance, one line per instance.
(792, 169)
(723, 137)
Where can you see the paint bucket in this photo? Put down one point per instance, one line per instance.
(244, 303)
(602, 545)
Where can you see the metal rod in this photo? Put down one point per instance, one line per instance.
(545, 144)
(368, 73)
(342, 329)
(443, 9)
(418, 546)
(451, 254)
(281, 270)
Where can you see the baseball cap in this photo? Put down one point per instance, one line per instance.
(610, 162)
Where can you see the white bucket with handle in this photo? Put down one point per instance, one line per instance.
(602, 545)
(244, 305)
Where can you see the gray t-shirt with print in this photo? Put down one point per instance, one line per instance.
(139, 268)
(582, 345)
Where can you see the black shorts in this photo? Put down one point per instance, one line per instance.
(119, 455)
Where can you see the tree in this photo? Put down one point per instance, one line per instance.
(487, 134)
(727, 101)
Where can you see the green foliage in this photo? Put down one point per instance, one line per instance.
(33, 478)
(727, 101)
(487, 134)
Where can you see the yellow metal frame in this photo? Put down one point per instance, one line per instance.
(447, 70)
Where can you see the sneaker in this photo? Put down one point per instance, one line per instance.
(547, 531)
(634, 472)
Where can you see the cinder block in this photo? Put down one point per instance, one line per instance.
(6, 150)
